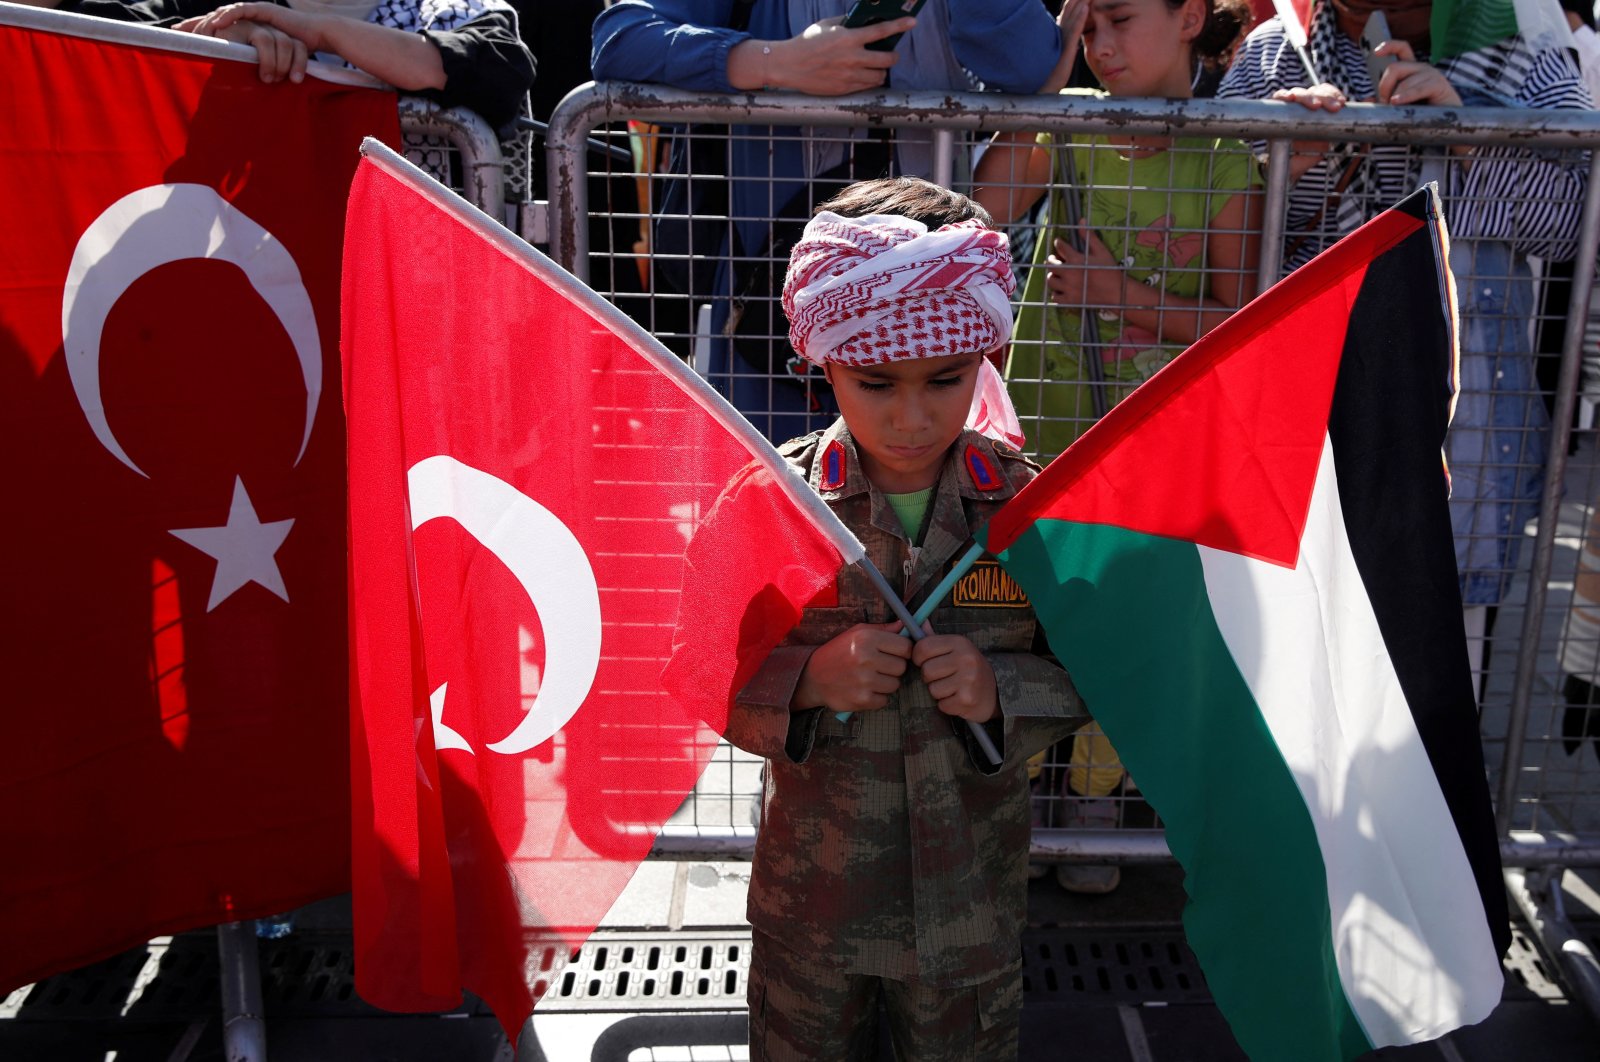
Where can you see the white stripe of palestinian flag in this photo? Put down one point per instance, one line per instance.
(1309, 648)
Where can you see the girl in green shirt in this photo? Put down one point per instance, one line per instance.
(1150, 243)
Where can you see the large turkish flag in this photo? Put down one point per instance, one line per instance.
(174, 649)
(546, 511)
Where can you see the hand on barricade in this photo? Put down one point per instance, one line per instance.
(1090, 277)
(826, 59)
(408, 61)
(1323, 97)
(279, 53)
(855, 671)
(959, 677)
(283, 38)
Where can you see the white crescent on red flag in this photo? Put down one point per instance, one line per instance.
(547, 510)
(176, 653)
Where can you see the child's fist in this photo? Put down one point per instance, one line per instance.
(958, 676)
(855, 671)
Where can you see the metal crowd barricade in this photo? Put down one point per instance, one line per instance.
(458, 149)
(1548, 802)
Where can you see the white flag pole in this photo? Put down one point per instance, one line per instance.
(1296, 33)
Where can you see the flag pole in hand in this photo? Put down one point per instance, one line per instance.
(913, 628)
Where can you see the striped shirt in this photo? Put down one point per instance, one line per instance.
(1531, 199)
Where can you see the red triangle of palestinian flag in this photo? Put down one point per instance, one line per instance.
(1243, 417)
(1247, 568)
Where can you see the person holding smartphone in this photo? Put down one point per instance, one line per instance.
(803, 46)
(1503, 204)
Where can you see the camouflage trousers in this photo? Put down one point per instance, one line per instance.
(802, 1011)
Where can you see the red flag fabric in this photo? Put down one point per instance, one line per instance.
(174, 652)
(1265, 9)
(547, 509)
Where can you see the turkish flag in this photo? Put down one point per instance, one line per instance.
(175, 652)
(531, 479)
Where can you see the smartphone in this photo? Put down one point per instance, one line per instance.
(871, 12)
(1374, 34)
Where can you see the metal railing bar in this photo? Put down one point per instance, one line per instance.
(597, 103)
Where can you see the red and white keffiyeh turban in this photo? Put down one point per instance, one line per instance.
(862, 291)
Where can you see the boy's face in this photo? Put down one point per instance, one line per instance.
(904, 415)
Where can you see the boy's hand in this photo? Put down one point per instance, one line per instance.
(958, 676)
(855, 671)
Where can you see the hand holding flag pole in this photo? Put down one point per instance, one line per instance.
(913, 622)
(913, 626)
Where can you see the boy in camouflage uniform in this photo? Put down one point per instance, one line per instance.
(892, 858)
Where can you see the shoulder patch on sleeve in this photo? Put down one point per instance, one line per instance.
(983, 474)
(833, 466)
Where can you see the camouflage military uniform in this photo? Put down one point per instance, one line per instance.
(889, 847)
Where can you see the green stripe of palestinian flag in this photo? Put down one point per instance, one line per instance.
(1247, 569)
(1457, 26)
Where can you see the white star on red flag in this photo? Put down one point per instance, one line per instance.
(244, 548)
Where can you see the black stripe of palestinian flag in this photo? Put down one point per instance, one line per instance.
(1247, 568)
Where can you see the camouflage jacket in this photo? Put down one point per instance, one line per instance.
(889, 845)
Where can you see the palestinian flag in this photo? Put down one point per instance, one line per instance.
(1247, 568)
(1459, 26)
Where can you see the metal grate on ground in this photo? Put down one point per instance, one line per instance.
(311, 974)
(1077, 966)
(636, 971)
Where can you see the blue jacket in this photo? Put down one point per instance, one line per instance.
(1009, 45)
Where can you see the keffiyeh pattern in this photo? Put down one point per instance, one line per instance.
(442, 15)
(861, 291)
